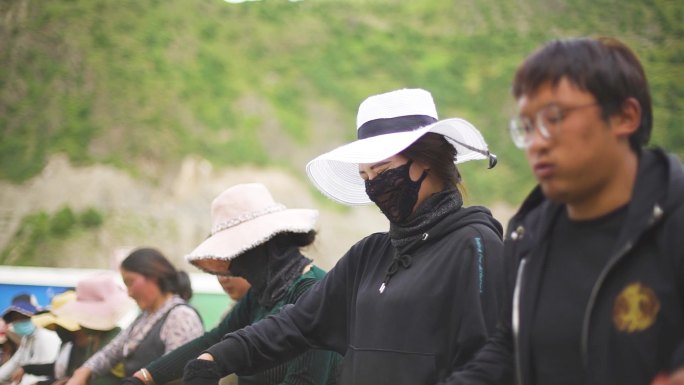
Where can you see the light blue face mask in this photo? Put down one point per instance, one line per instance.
(23, 328)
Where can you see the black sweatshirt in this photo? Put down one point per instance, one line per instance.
(431, 318)
(312, 367)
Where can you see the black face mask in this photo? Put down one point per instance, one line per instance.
(252, 265)
(270, 268)
(394, 192)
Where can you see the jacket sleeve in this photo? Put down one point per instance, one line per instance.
(488, 250)
(477, 285)
(170, 366)
(318, 319)
(492, 365)
(676, 242)
(311, 368)
(494, 362)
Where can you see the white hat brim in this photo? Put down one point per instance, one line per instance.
(336, 173)
(214, 254)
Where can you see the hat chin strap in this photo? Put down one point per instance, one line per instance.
(493, 160)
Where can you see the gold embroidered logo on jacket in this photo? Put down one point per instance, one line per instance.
(635, 308)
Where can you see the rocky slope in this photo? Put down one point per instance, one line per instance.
(171, 214)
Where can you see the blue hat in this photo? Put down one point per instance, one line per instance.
(24, 304)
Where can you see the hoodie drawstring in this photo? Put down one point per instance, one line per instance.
(397, 261)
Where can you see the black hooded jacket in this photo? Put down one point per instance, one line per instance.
(633, 326)
(431, 318)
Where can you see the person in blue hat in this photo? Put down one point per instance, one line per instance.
(37, 346)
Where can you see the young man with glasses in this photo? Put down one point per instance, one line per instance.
(596, 252)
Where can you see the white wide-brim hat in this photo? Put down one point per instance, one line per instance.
(386, 125)
(243, 217)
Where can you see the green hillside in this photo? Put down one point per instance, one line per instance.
(139, 83)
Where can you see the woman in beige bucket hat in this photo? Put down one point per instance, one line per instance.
(259, 239)
(408, 306)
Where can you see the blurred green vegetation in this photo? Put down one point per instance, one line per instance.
(126, 82)
(40, 230)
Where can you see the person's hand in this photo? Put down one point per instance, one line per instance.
(80, 376)
(206, 357)
(143, 377)
(201, 371)
(17, 375)
(676, 378)
(60, 382)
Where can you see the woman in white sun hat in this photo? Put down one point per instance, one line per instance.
(408, 306)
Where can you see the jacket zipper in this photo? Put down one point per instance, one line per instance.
(655, 216)
(515, 316)
(516, 320)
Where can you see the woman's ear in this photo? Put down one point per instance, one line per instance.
(417, 169)
(420, 165)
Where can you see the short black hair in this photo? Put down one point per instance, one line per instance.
(603, 66)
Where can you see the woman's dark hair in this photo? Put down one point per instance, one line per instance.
(604, 67)
(434, 150)
(280, 244)
(289, 239)
(153, 264)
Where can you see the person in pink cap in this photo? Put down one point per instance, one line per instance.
(86, 320)
(407, 306)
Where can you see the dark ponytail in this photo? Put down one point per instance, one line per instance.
(153, 264)
(184, 286)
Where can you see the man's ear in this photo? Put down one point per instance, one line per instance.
(627, 121)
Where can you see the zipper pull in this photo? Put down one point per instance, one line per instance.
(518, 233)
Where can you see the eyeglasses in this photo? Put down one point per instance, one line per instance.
(547, 121)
